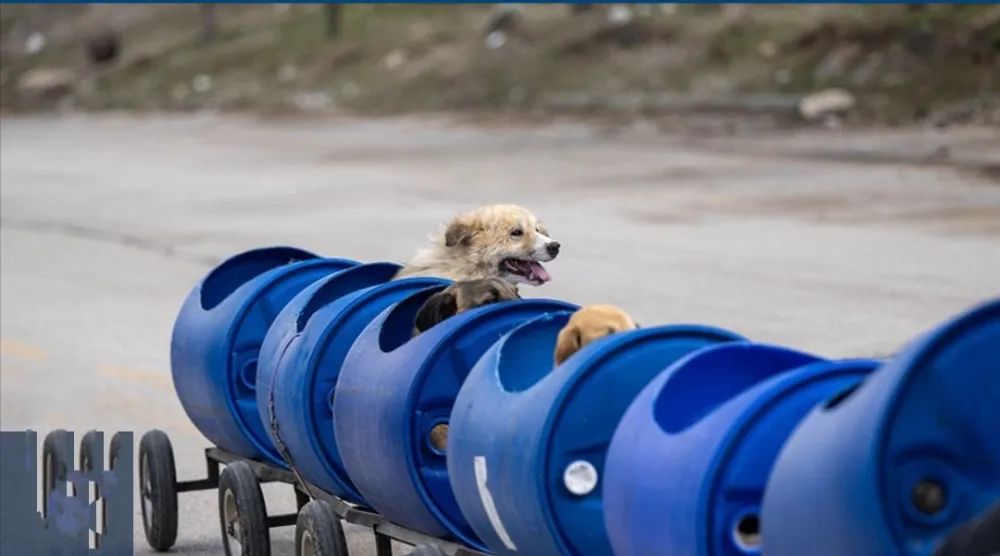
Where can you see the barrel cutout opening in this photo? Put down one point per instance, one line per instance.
(746, 532)
(841, 397)
(248, 375)
(526, 355)
(712, 376)
(397, 329)
(236, 271)
(437, 437)
(343, 283)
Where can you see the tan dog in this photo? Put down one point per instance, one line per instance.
(460, 297)
(588, 324)
(493, 241)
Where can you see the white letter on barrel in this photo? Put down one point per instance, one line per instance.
(488, 505)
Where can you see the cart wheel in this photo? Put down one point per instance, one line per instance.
(56, 461)
(88, 445)
(426, 550)
(115, 449)
(157, 489)
(318, 531)
(242, 512)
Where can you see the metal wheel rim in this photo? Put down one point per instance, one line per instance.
(146, 491)
(231, 521)
(308, 546)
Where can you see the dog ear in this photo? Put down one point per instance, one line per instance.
(568, 343)
(458, 232)
(437, 308)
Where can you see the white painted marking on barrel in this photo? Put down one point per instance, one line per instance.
(488, 505)
(580, 477)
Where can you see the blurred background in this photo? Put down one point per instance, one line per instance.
(895, 64)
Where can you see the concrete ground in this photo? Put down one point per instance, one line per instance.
(108, 222)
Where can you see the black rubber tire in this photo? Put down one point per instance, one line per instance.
(57, 461)
(320, 527)
(158, 490)
(88, 447)
(238, 481)
(115, 450)
(426, 550)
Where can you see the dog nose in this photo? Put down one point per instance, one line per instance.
(553, 248)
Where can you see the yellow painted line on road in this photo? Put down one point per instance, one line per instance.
(21, 351)
(152, 416)
(56, 417)
(8, 370)
(156, 380)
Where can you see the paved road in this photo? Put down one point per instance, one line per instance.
(107, 223)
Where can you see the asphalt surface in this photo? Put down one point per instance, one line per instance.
(108, 222)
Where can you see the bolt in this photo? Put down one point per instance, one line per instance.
(439, 436)
(928, 496)
(580, 478)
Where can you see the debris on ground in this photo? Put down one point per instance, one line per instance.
(39, 85)
(826, 103)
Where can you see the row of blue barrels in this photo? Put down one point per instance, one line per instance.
(677, 439)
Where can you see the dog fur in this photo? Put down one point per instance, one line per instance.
(588, 324)
(492, 241)
(460, 297)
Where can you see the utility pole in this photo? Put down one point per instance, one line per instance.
(333, 19)
(207, 22)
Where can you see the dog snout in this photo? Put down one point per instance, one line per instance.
(553, 248)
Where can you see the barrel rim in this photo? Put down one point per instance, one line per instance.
(439, 349)
(607, 346)
(781, 385)
(354, 301)
(312, 305)
(915, 356)
(225, 264)
(265, 448)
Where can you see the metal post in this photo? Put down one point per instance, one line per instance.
(383, 545)
(333, 19)
(207, 22)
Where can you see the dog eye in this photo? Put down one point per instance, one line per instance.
(516, 232)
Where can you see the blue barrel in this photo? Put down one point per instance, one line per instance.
(217, 336)
(688, 464)
(889, 469)
(301, 361)
(527, 445)
(394, 392)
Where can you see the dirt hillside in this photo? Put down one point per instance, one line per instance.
(892, 64)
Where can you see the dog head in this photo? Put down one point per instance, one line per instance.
(588, 324)
(460, 297)
(507, 240)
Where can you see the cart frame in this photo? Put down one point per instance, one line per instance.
(385, 531)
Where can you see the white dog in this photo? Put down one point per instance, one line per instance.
(494, 241)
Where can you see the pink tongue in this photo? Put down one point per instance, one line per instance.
(538, 272)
